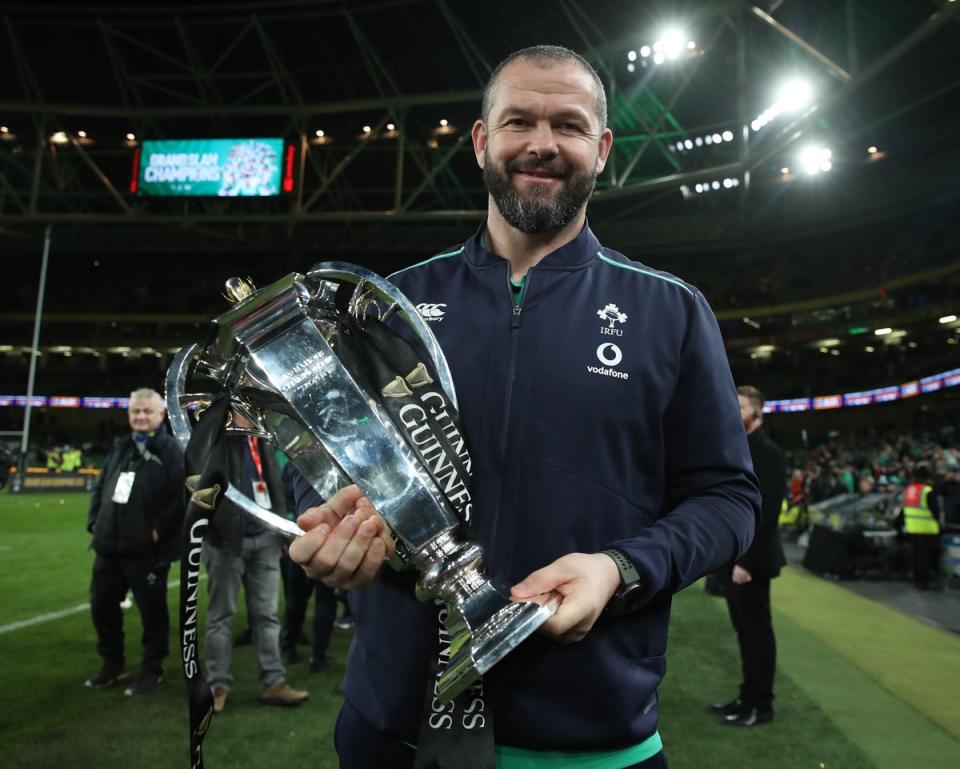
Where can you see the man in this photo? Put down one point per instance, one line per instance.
(135, 516)
(601, 415)
(239, 550)
(748, 580)
(921, 524)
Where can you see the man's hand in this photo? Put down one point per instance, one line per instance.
(156, 537)
(346, 541)
(740, 576)
(585, 583)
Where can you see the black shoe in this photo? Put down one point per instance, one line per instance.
(244, 639)
(749, 717)
(319, 664)
(289, 655)
(144, 683)
(727, 708)
(108, 675)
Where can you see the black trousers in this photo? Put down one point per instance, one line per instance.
(749, 607)
(359, 745)
(147, 577)
(925, 554)
(297, 590)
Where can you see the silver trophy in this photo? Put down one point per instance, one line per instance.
(275, 352)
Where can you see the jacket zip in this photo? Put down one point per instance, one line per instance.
(512, 361)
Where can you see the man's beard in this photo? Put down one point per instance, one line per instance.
(539, 211)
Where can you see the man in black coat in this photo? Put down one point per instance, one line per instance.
(135, 515)
(748, 588)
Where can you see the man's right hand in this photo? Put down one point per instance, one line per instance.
(346, 541)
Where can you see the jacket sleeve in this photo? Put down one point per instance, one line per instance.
(771, 469)
(170, 517)
(711, 498)
(97, 497)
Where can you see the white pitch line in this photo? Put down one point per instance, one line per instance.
(48, 617)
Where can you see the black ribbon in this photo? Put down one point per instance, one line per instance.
(458, 734)
(206, 480)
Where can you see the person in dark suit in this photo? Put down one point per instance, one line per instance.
(748, 581)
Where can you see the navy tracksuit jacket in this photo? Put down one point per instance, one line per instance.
(600, 413)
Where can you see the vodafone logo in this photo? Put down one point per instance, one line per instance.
(431, 312)
(609, 354)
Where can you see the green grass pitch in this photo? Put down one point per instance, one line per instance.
(858, 686)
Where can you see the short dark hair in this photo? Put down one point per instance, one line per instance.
(547, 56)
(752, 394)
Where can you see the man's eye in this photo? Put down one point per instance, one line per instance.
(516, 121)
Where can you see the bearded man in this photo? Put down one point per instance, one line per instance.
(609, 463)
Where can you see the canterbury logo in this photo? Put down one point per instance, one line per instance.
(431, 312)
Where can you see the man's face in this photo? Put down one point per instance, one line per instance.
(541, 147)
(748, 412)
(145, 414)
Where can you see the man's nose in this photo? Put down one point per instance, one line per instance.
(543, 142)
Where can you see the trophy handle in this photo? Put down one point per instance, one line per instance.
(367, 281)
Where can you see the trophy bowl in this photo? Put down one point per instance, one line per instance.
(312, 365)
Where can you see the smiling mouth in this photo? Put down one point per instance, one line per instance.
(536, 176)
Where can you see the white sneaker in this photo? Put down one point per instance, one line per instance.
(127, 602)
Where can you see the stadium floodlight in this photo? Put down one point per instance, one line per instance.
(631, 67)
(444, 122)
(688, 144)
(698, 141)
(631, 55)
(715, 184)
(390, 126)
(869, 348)
(130, 137)
(672, 43)
(813, 159)
(658, 58)
(691, 45)
(60, 137)
(82, 134)
(645, 51)
(708, 139)
(4, 129)
(367, 129)
(320, 133)
(872, 150)
(792, 96)
(727, 136)
(948, 318)
(882, 331)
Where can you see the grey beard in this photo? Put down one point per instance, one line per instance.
(539, 214)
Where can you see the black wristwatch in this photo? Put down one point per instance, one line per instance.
(628, 595)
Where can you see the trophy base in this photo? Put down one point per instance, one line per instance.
(492, 641)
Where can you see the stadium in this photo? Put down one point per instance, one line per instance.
(787, 168)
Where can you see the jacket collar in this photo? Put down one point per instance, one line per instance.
(577, 253)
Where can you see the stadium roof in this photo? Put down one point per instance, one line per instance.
(881, 75)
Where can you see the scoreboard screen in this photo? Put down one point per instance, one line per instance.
(209, 168)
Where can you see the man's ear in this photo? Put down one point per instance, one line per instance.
(479, 135)
(606, 143)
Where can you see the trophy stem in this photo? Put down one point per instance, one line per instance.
(482, 620)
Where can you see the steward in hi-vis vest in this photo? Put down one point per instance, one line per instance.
(918, 518)
(921, 525)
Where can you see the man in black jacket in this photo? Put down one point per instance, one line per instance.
(135, 515)
(748, 588)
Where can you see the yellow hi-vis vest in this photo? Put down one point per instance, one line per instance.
(917, 516)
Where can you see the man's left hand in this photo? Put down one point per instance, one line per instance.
(740, 576)
(585, 583)
(156, 537)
